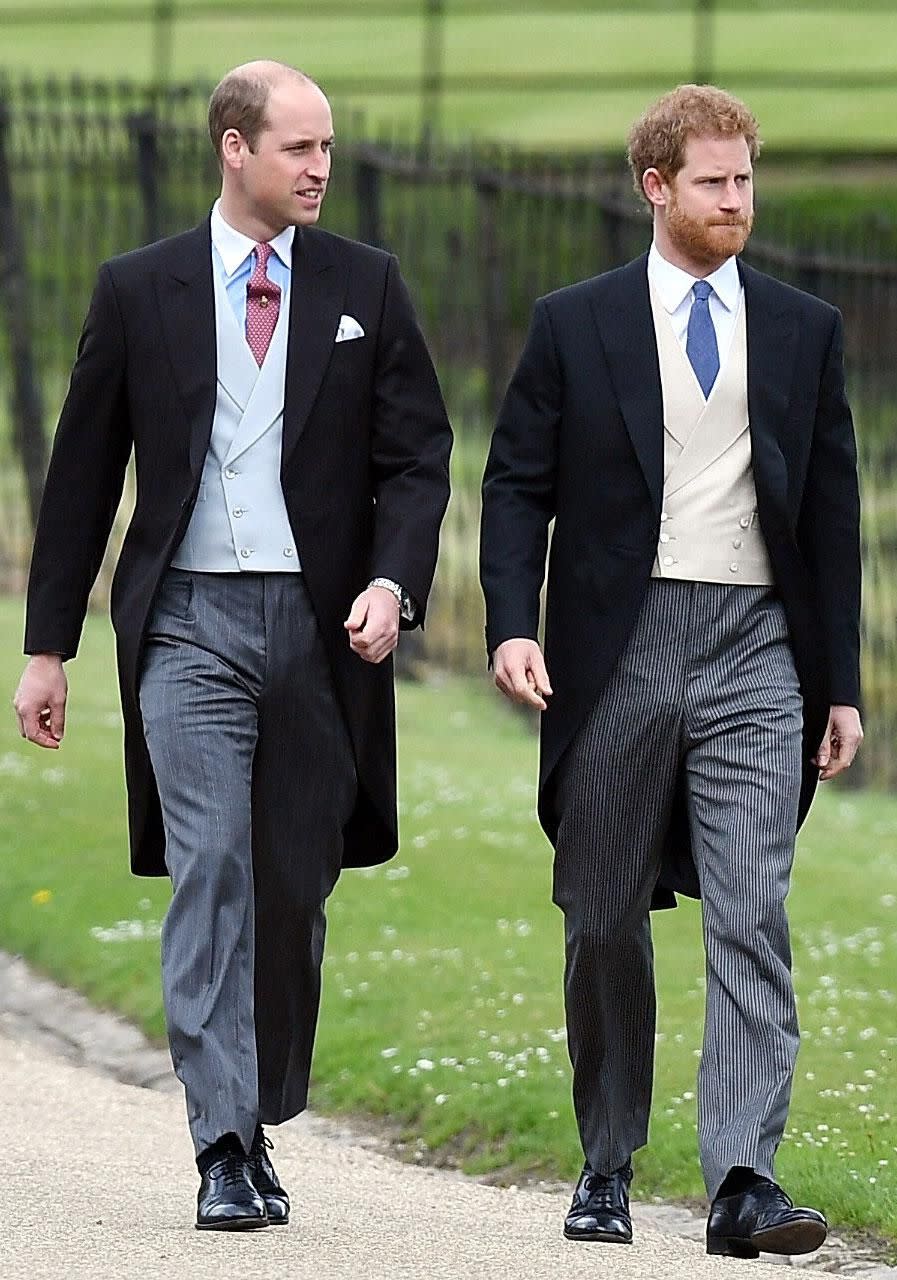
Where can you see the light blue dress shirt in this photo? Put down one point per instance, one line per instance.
(233, 257)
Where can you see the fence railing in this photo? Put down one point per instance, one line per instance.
(87, 172)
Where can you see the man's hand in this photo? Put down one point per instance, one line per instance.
(40, 700)
(373, 624)
(839, 746)
(520, 673)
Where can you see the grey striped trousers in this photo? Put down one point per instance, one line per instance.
(705, 685)
(256, 778)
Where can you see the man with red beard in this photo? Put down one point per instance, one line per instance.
(683, 421)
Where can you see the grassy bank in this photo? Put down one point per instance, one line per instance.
(443, 974)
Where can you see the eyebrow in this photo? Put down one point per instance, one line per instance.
(705, 177)
(301, 142)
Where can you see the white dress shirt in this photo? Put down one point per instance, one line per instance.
(673, 287)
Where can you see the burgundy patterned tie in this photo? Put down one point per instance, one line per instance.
(262, 305)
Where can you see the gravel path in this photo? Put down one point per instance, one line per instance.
(99, 1182)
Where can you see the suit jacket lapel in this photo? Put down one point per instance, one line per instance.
(771, 351)
(317, 296)
(622, 314)
(187, 302)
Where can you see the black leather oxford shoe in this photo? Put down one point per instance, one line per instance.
(600, 1208)
(266, 1181)
(228, 1199)
(762, 1219)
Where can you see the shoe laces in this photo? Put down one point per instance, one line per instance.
(229, 1168)
(599, 1190)
(261, 1144)
(778, 1194)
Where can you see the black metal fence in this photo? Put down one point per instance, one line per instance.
(87, 171)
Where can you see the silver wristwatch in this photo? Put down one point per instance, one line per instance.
(405, 603)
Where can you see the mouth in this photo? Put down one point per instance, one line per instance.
(311, 193)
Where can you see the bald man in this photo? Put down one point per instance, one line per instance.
(291, 450)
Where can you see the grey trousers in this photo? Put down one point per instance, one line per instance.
(256, 778)
(707, 684)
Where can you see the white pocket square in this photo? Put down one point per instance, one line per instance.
(349, 328)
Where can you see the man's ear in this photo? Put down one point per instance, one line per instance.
(655, 187)
(231, 154)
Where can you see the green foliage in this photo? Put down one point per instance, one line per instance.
(443, 1010)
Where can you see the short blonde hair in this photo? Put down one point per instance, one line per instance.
(658, 138)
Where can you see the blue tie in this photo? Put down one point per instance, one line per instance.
(700, 342)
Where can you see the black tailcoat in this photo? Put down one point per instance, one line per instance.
(364, 471)
(580, 440)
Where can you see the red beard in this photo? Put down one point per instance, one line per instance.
(709, 243)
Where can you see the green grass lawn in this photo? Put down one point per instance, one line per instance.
(442, 1008)
(530, 39)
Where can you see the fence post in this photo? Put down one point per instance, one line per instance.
(143, 128)
(368, 193)
(26, 401)
(163, 43)
(613, 226)
(704, 41)
(432, 70)
(810, 275)
(492, 299)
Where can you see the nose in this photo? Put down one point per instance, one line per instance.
(319, 164)
(732, 195)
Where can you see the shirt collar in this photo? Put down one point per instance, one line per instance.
(673, 285)
(234, 247)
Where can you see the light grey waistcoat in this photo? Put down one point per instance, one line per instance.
(240, 519)
(709, 531)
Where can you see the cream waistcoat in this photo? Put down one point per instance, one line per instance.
(708, 526)
(240, 519)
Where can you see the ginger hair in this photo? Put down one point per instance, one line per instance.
(658, 138)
